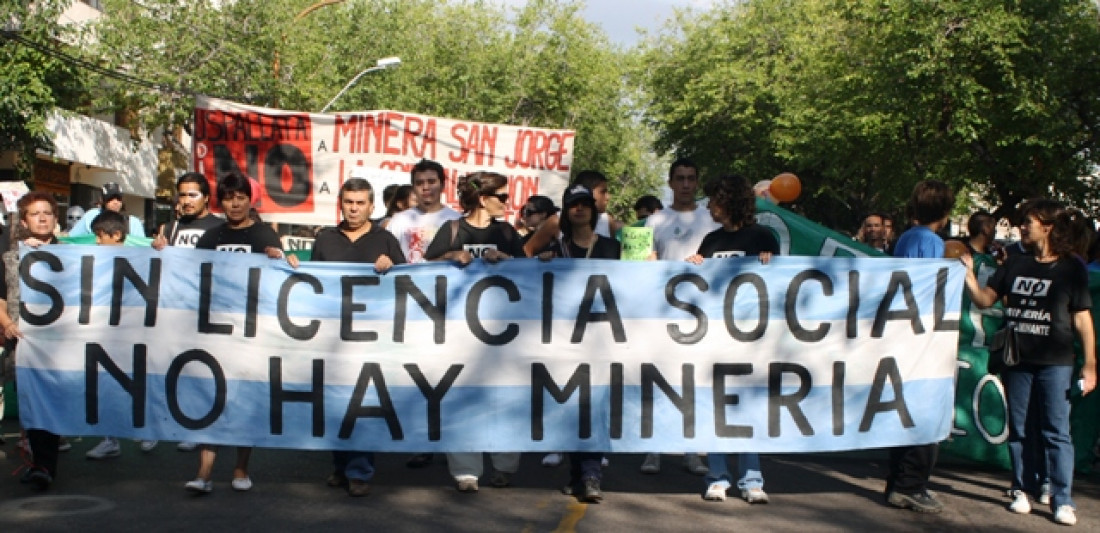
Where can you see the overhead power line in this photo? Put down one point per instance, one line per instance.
(55, 52)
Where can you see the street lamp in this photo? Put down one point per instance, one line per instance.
(382, 64)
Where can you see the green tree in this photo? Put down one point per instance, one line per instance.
(863, 99)
(34, 80)
(540, 65)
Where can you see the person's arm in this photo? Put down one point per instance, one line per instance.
(161, 240)
(982, 297)
(441, 248)
(1082, 322)
(7, 325)
(544, 234)
(395, 253)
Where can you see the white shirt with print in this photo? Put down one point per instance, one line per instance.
(678, 234)
(415, 230)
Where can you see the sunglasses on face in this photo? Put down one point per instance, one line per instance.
(528, 211)
(503, 197)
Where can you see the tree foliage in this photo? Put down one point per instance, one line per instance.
(540, 65)
(863, 99)
(33, 83)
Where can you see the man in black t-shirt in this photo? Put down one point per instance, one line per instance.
(356, 240)
(195, 217)
(239, 233)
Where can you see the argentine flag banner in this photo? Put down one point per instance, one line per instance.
(801, 354)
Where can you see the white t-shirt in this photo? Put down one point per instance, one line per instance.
(415, 230)
(603, 226)
(677, 234)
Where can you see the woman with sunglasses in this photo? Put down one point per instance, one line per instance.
(537, 209)
(483, 197)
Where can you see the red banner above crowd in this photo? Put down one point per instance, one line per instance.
(299, 160)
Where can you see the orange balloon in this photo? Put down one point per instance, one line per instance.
(954, 249)
(786, 187)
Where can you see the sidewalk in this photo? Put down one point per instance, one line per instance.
(809, 492)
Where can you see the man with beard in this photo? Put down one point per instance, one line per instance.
(195, 218)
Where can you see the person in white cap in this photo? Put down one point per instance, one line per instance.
(112, 200)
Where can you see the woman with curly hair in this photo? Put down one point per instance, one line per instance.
(733, 205)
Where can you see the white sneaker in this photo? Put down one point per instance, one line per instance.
(1020, 503)
(200, 486)
(693, 464)
(187, 446)
(104, 450)
(466, 484)
(241, 484)
(715, 493)
(1065, 515)
(551, 460)
(652, 463)
(754, 495)
(147, 445)
(1044, 494)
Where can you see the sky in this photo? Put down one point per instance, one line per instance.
(619, 18)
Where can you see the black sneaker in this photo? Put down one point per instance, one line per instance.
(337, 479)
(592, 492)
(921, 502)
(39, 479)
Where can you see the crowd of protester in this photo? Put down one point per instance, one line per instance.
(1057, 245)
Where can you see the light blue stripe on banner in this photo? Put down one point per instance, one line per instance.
(485, 419)
(641, 290)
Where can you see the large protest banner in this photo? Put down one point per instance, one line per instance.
(802, 354)
(980, 429)
(300, 159)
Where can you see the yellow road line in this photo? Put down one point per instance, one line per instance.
(574, 512)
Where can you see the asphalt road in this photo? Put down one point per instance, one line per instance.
(809, 492)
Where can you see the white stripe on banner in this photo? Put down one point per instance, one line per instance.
(803, 354)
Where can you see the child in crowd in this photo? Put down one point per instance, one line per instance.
(110, 229)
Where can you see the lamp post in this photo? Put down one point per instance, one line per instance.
(382, 64)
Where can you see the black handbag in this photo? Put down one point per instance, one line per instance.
(1004, 350)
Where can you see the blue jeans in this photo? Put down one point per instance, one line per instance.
(748, 470)
(354, 465)
(1050, 386)
(585, 465)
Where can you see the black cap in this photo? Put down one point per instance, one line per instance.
(577, 193)
(111, 190)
